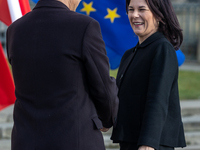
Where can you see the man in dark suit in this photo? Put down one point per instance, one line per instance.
(61, 72)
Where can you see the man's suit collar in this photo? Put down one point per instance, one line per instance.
(151, 39)
(50, 3)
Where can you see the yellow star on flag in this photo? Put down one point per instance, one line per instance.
(112, 14)
(88, 8)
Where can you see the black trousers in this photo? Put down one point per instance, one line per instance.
(133, 146)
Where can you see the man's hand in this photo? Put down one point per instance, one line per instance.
(104, 129)
(145, 148)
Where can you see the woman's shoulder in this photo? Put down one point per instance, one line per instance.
(164, 41)
(127, 53)
(164, 50)
(163, 45)
(156, 41)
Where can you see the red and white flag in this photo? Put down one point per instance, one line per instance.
(7, 89)
(10, 10)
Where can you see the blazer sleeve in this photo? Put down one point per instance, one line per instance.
(103, 89)
(164, 68)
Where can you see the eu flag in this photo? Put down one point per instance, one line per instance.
(116, 30)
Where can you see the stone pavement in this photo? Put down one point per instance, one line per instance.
(5, 144)
(190, 66)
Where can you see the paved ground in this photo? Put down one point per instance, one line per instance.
(190, 66)
(190, 104)
(5, 145)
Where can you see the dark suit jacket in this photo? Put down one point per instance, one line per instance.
(149, 108)
(61, 74)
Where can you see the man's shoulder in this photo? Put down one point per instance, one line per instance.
(83, 19)
(20, 21)
(71, 17)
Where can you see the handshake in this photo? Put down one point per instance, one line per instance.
(104, 129)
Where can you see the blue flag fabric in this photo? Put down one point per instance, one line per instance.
(35, 1)
(116, 30)
(180, 57)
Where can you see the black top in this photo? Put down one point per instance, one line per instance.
(149, 108)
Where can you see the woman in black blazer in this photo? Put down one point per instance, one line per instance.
(149, 115)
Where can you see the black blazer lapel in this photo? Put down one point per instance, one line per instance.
(123, 69)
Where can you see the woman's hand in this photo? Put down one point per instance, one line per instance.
(145, 148)
(104, 129)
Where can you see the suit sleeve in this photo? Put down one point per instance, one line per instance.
(164, 68)
(103, 89)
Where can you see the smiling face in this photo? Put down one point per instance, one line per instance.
(141, 19)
